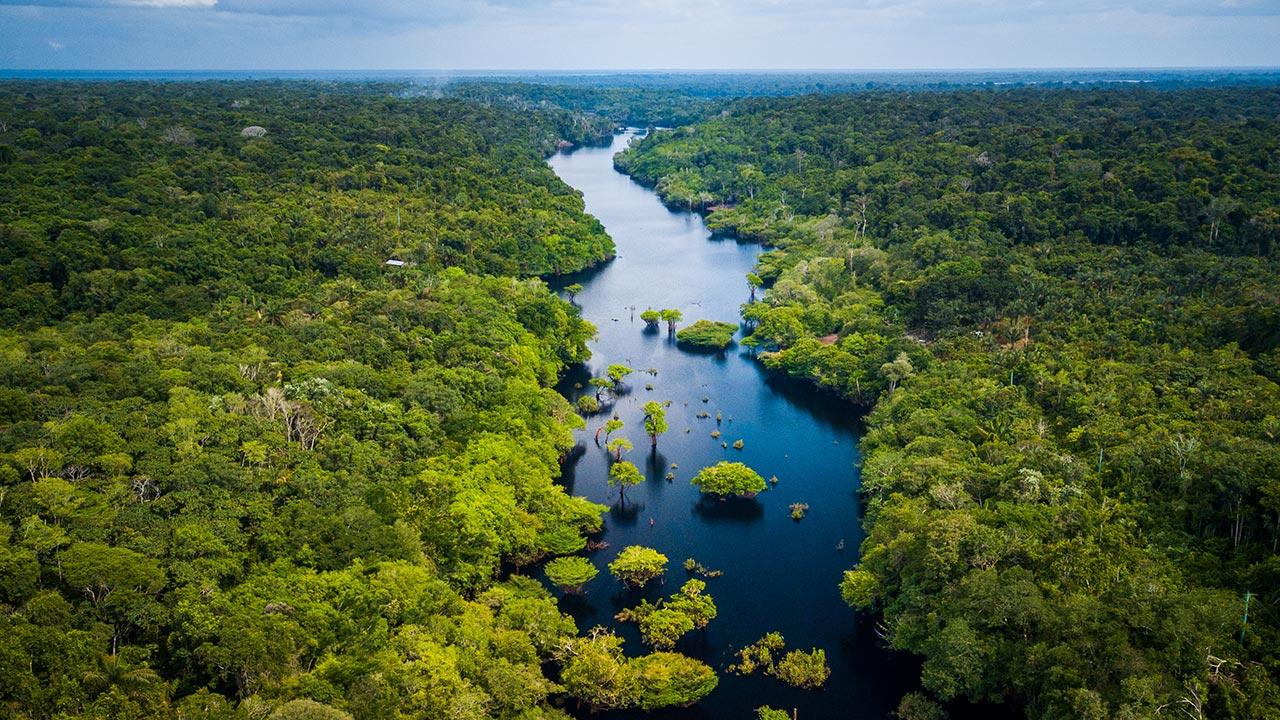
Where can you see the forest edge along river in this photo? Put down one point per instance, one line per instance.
(779, 574)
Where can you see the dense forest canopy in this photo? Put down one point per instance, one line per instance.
(158, 198)
(1064, 308)
(246, 469)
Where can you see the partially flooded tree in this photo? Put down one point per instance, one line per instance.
(729, 478)
(672, 316)
(655, 420)
(636, 565)
(617, 446)
(571, 573)
(624, 474)
(651, 317)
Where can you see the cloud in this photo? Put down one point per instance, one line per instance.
(112, 3)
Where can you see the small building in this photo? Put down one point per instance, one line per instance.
(253, 131)
(394, 263)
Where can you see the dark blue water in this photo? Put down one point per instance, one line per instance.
(779, 574)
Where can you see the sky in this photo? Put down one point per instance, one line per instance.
(635, 34)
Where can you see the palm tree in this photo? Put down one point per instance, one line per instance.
(132, 682)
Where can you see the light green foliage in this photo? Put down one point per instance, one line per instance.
(618, 372)
(760, 655)
(571, 573)
(651, 317)
(623, 475)
(707, 334)
(859, 588)
(597, 673)
(764, 712)
(667, 679)
(588, 405)
(655, 420)
(729, 478)
(797, 668)
(662, 624)
(304, 709)
(671, 316)
(801, 669)
(617, 446)
(636, 565)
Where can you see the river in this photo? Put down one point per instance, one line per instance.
(779, 574)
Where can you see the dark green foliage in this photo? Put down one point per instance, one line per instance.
(140, 198)
(707, 334)
(1062, 305)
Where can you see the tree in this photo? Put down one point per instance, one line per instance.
(307, 709)
(651, 317)
(804, 669)
(859, 588)
(671, 316)
(572, 290)
(694, 602)
(655, 420)
(611, 426)
(897, 371)
(729, 478)
(600, 384)
(617, 446)
(918, 706)
(596, 672)
(636, 565)
(618, 372)
(666, 679)
(664, 623)
(571, 573)
(624, 474)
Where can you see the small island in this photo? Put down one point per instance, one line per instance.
(707, 334)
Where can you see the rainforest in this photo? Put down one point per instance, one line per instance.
(684, 396)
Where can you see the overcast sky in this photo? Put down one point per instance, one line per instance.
(627, 34)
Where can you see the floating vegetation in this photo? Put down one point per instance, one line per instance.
(798, 511)
(715, 434)
(773, 479)
(652, 371)
(737, 444)
(706, 399)
(719, 417)
(703, 415)
(670, 476)
(724, 445)
(648, 386)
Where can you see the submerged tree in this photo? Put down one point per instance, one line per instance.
(671, 316)
(573, 290)
(571, 573)
(651, 317)
(624, 474)
(729, 478)
(636, 565)
(655, 420)
(618, 372)
(617, 446)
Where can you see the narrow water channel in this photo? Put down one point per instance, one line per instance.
(779, 574)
